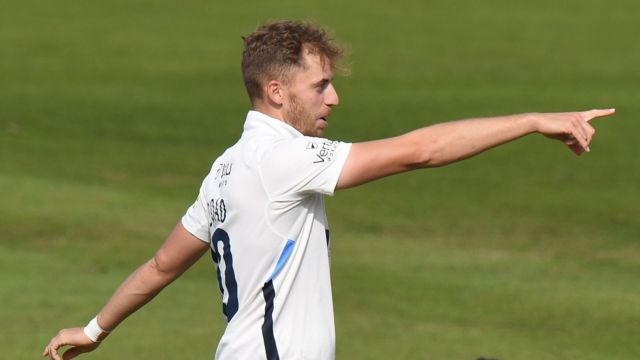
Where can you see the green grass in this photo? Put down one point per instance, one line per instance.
(111, 112)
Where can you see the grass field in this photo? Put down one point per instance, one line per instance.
(111, 113)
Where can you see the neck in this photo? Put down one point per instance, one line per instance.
(271, 111)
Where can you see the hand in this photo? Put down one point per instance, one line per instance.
(572, 128)
(76, 338)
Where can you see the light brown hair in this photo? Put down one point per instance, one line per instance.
(276, 48)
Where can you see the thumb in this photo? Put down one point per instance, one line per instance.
(77, 350)
(72, 353)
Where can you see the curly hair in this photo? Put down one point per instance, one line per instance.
(277, 48)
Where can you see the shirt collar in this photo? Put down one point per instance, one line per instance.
(257, 121)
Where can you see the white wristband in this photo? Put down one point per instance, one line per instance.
(94, 331)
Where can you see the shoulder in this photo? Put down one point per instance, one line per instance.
(306, 149)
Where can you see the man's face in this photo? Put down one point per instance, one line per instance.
(310, 97)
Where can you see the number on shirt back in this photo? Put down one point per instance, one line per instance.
(221, 254)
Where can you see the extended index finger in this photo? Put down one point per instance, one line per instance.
(595, 113)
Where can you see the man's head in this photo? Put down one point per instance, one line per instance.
(287, 68)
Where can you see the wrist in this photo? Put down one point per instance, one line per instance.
(94, 331)
(531, 122)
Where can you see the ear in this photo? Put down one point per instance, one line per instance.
(275, 92)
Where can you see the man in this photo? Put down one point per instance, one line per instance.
(261, 212)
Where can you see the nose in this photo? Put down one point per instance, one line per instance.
(331, 96)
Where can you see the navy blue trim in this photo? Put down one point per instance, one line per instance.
(326, 234)
(270, 347)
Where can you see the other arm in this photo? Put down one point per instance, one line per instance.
(175, 256)
(445, 143)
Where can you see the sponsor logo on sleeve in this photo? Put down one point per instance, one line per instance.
(325, 151)
(222, 173)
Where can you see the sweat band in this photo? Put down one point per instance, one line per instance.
(94, 331)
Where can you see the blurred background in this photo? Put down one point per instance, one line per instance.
(112, 112)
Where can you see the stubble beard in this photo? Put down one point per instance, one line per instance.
(298, 117)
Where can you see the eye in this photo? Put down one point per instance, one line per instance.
(320, 87)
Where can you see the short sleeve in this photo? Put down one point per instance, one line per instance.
(196, 219)
(297, 167)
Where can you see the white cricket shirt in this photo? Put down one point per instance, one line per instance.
(261, 208)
